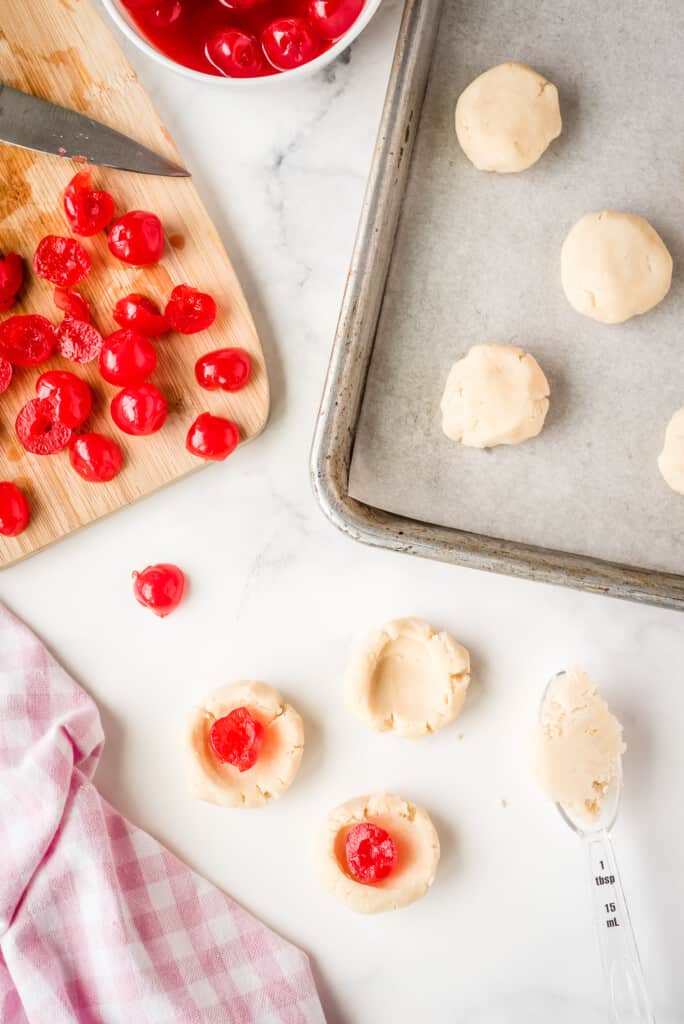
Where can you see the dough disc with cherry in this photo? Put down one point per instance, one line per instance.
(245, 746)
(377, 853)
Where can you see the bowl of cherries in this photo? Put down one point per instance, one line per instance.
(247, 42)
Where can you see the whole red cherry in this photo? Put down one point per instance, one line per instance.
(235, 54)
(96, 458)
(212, 437)
(227, 368)
(160, 588)
(137, 238)
(290, 42)
(139, 411)
(127, 358)
(14, 510)
(332, 18)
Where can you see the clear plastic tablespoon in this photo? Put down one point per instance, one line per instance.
(629, 1000)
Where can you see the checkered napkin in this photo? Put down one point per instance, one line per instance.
(100, 924)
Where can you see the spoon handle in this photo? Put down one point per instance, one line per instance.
(629, 1000)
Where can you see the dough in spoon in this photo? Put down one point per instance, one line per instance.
(671, 459)
(614, 266)
(578, 745)
(495, 395)
(507, 117)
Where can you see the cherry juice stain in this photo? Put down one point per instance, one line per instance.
(185, 39)
(13, 453)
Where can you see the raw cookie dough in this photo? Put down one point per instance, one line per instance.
(494, 395)
(417, 847)
(507, 118)
(281, 754)
(614, 266)
(578, 744)
(671, 459)
(408, 678)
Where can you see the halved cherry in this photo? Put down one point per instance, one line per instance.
(88, 210)
(140, 314)
(140, 410)
(290, 42)
(127, 358)
(72, 399)
(332, 18)
(61, 261)
(227, 369)
(72, 303)
(96, 458)
(370, 852)
(26, 340)
(159, 588)
(14, 509)
(39, 429)
(237, 739)
(78, 341)
(137, 238)
(5, 374)
(11, 277)
(189, 310)
(212, 437)
(235, 54)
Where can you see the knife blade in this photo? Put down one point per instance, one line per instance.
(32, 123)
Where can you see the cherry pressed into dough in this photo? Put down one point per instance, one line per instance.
(409, 864)
(507, 118)
(614, 266)
(495, 395)
(256, 781)
(408, 678)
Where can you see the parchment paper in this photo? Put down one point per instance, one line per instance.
(477, 259)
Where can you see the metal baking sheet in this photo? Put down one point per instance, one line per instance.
(475, 258)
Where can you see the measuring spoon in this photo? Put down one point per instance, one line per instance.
(629, 1001)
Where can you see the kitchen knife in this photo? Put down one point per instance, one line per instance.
(32, 123)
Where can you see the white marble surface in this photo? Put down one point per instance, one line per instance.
(505, 937)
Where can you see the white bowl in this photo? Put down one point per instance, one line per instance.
(124, 21)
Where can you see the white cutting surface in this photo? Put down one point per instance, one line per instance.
(505, 937)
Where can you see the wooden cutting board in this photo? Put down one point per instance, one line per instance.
(62, 50)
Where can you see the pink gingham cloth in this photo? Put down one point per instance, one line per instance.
(100, 924)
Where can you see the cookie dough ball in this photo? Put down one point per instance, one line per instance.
(507, 118)
(494, 395)
(408, 678)
(404, 860)
(671, 459)
(614, 266)
(263, 766)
